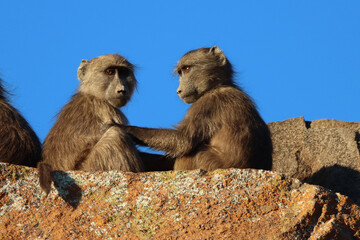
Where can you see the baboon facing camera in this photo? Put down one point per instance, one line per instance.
(19, 143)
(78, 140)
(222, 128)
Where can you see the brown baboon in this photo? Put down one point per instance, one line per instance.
(222, 128)
(78, 140)
(18, 142)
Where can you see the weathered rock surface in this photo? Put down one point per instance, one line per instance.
(224, 204)
(322, 152)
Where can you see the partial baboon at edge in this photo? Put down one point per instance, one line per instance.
(19, 144)
(78, 140)
(222, 128)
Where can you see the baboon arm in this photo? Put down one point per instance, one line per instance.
(114, 151)
(172, 141)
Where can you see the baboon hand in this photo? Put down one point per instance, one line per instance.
(107, 125)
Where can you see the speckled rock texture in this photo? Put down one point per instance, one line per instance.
(322, 152)
(224, 204)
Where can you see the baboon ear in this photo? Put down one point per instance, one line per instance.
(219, 54)
(82, 69)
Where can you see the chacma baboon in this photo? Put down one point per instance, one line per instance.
(18, 142)
(78, 140)
(222, 128)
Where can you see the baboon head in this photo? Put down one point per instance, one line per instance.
(201, 70)
(109, 77)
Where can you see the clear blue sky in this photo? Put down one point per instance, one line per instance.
(294, 57)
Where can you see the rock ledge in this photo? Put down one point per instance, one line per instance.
(227, 204)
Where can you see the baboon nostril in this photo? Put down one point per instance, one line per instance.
(178, 91)
(121, 91)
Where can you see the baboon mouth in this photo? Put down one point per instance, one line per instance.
(182, 95)
(188, 98)
(121, 96)
(118, 101)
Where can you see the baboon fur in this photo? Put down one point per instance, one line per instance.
(19, 144)
(78, 140)
(222, 128)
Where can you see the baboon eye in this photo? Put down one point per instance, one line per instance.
(110, 71)
(186, 69)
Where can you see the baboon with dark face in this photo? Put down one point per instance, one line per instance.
(78, 140)
(18, 142)
(222, 128)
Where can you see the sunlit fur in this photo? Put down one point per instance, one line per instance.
(18, 142)
(78, 140)
(222, 128)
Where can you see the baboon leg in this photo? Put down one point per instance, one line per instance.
(114, 151)
(184, 163)
(156, 162)
(207, 159)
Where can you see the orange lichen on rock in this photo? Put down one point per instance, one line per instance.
(224, 204)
